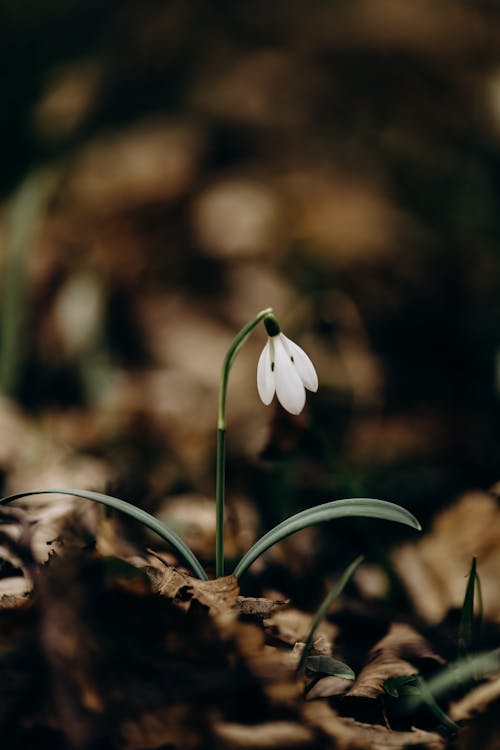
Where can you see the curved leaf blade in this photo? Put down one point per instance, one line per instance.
(328, 666)
(468, 668)
(412, 690)
(365, 507)
(130, 510)
(325, 606)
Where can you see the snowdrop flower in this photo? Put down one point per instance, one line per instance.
(285, 369)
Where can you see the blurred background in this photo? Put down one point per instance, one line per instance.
(171, 168)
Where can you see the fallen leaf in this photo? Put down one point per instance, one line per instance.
(435, 567)
(13, 591)
(218, 596)
(348, 734)
(291, 626)
(130, 667)
(327, 687)
(266, 736)
(260, 607)
(396, 654)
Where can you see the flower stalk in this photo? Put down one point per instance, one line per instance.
(286, 371)
(220, 477)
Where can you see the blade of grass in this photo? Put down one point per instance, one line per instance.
(365, 507)
(427, 697)
(460, 672)
(130, 510)
(413, 688)
(480, 606)
(325, 606)
(466, 626)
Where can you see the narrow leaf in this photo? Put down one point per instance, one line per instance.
(421, 692)
(130, 510)
(327, 665)
(411, 688)
(395, 686)
(458, 673)
(364, 507)
(466, 626)
(325, 606)
(480, 606)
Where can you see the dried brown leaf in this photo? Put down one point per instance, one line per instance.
(266, 736)
(291, 626)
(328, 686)
(433, 569)
(260, 607)
(218, 596)
(396, 654)
(123, 662)
(170, 582)
(348, 734)
(13, 591)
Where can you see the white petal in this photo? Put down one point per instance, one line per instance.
(289, 387)
(265, 375)
(304, 366)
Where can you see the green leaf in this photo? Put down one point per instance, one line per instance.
(365, 507)
(460, 672)
(325, 606)
(130, 510)
(327, 665)
(423, 693)
(415, 692)
(398, 686)
(467, 619)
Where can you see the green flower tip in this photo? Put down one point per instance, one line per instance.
(272, 325)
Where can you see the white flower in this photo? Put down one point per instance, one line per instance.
(285, 369)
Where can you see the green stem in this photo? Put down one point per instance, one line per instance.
(220, 492)
(233, 350)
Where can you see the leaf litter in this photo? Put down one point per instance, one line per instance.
(105, 642)
(136, 653)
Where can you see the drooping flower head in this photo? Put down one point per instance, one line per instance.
(285, 369)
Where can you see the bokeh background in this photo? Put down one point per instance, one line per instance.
(171, 168)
